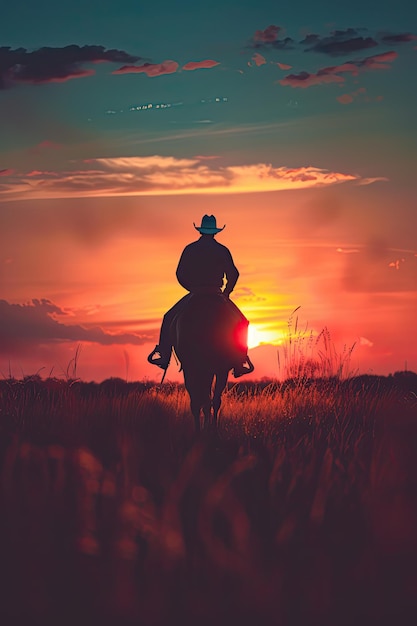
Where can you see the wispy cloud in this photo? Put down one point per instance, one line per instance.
(150, 69)
(358, 94)
(375, 179)
(44, 146)
(333, 73)
(162, 175)
(284, 66)
(198, 65)
(378, 61)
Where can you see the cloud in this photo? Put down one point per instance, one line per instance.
(398, 38)
(375, 179)
(305, 79)
(340, 42)
(48, 64)
(36, 323)
(268, 35)
(378, 61)
(284, 66)
(6, 172)
(278, 44)
(206, 157)
(150, 69)
(332, 74)
(268, 38)
(246, 295)
(163, 175)
(346, 98)
(310, 39)
(363, 341)
(48, 145)
(44, 146)
(258, 59)
(197, 65)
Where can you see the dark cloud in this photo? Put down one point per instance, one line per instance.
(310, 39)
(278, 44)
(54, 64)
(339, 42)
(305, 79)
(35, 323)
(398, 38)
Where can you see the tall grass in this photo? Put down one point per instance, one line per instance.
(305, 354)
(299, 509)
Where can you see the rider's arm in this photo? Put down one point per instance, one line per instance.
(232, 274)
(182, 273)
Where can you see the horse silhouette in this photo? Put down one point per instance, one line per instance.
(202, 337)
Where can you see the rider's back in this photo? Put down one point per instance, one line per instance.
(203, 264)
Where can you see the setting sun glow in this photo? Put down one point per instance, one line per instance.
(258, 335)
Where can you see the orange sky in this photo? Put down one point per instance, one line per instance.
(113, 266)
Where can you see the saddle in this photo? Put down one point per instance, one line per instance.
(209, 327)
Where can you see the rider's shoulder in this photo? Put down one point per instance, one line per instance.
(222, 247)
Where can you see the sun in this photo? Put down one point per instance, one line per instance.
(258, 335)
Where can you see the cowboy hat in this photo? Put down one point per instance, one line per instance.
(208, 226)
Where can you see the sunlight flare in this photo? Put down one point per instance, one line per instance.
(258, 335)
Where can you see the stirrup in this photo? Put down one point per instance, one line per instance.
(160, 361)
(241, 370)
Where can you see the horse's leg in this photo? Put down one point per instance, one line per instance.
(207, 383)
(195, 410)
(192, 385)
(221, 381)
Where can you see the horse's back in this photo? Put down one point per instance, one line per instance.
(203, 331)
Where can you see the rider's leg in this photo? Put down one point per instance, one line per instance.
(161, 354)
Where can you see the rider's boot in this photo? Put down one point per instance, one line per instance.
(243, 367)
(160, 356)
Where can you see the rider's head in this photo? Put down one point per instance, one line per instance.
(208, 226)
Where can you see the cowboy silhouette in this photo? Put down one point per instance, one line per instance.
(202, 268)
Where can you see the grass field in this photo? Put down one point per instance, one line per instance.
(300, 509)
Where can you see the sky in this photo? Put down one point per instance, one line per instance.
(122, 124)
